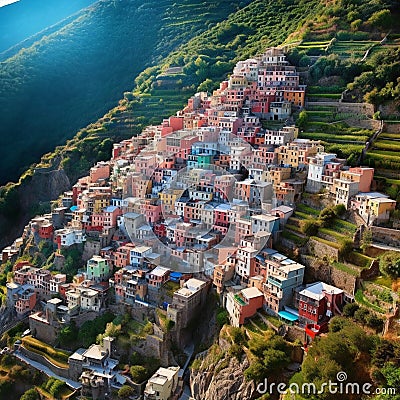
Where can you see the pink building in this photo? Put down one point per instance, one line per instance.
(158, 276)
(151, 208)
(122, 255)
(221, 218)
(365, 177)
(100, 171)
(26, 300)
(111, 213)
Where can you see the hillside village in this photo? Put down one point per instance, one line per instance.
(224, 197)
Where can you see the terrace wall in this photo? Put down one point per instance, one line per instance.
(391, 128)
(64, 372)
(318, 271)
(390, 237)
(320, 250)
(356, 108)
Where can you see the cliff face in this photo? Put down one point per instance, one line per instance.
(220, 375)
(44, 186)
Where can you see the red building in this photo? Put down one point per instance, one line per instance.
(317, 303)
(243, 305)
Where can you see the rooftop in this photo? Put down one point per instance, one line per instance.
(317, 290)
(251, 292)
(159, 271)
(95, 352)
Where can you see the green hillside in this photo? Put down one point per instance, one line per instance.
(325, 39)
(74, 75)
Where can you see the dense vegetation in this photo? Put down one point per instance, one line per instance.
(347, 347)
(74, 75)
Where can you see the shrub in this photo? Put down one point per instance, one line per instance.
(361, 315)
(389, 264)
(30, 394)
(125, 392)
(222, 317)
(238, 336)
(349, 309)
(310, 227)
(139, 373)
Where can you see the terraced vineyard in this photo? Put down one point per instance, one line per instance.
(326, 124)
(352, 48)
(334, 235)
(314, 47)
(385, 157)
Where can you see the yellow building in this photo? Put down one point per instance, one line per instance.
(168, 199)
(162, 384)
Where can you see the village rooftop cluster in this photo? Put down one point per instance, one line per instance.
(200, 199)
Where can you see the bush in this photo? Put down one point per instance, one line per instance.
(310, 227)
(222, 317)
(350, 309)
(375, 322)
(339, 210)
(238, 336)
(30, 394)
(361, 315)
(125, 392)
(389, 264)
(139, 373)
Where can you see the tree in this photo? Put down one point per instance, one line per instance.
(381, 19)
(366, 240)
(349, 309)
(125, 392)
(255, 372)
(68, 334)
(302, 120)
(309, 227)
(339, 210)
(206, 86)
(327, 214)
(346, 247)
(222, 317)
(389, 264)
(375, 322)
(361, 315)
(275, 360)
(139, 373)
(30, 394)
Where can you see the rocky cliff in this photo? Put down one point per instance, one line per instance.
(43, 186)
(218, 373)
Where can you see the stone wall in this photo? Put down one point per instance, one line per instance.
(91, 248)
(369, 123)
(391, 128)
(63, 372)
(319, 271)
(294, 333)
(43, 331)
(319, 249)
(288, 243)
(371, 272)
(356, 108)
(390, 237)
